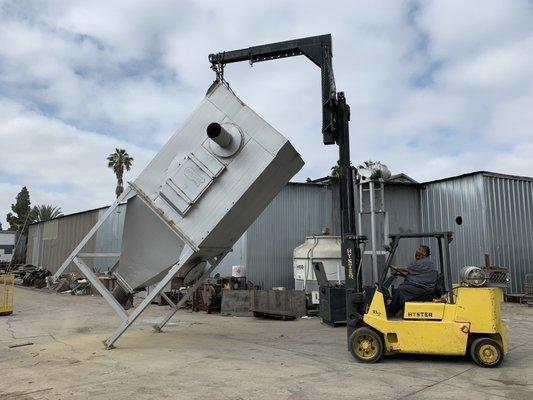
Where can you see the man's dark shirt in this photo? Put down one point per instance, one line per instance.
(422, 273)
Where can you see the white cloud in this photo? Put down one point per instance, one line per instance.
(60, 164)
(459, 29)
(435, 88)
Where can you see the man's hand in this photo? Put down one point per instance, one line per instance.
(400, 270)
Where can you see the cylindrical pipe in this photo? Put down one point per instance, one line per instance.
(218, 134)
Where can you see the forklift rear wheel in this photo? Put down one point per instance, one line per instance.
(486, 352)
(366, 345)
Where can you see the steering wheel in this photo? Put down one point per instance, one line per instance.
(397, 272)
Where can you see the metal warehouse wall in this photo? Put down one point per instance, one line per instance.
(441, 203)
(109, 237)
(509, 219)
(444, 201)
(266, 248)
(497, 214)
(50, 242)
(402, 203)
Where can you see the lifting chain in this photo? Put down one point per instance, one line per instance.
(218, 67)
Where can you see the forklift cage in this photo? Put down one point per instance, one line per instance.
(443, 244)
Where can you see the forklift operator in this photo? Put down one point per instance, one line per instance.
(420, 280)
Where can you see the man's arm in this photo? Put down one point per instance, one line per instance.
(402, 269)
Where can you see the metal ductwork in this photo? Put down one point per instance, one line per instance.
(218, 134)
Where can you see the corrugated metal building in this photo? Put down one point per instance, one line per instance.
(266, 248)
(496, 215)
(489, 213)
(299, 210)
(51, 242)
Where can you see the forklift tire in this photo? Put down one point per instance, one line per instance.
(366, 345)
(486, 352)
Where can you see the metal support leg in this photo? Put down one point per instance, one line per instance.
(190, 292)
(174, 308)
(93, 230)
(168, 300)
(86, 271)
(185, 255)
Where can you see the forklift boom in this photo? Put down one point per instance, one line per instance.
(315, 48)
(335, 130)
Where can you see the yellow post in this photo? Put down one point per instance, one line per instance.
(7, 288)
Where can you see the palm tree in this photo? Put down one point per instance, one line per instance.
(368, 164)
(44, 213)
(376, 168)
(118, 161)
(335, 171)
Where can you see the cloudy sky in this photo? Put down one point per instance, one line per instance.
(436, 88)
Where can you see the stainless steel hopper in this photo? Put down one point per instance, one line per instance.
(195, 199)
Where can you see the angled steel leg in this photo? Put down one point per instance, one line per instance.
(190, 292)
(185, 255)
(168, 300)
(93, 230)
(86, 271)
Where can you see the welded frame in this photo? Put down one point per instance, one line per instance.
(76, 257)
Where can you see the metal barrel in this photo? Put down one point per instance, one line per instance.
(218, 134)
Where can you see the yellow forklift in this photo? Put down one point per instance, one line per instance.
(454, 320)
(470, 317)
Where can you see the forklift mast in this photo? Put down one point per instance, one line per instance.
(335, 130)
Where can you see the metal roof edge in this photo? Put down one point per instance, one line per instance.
(312, 183)
(72, 214)
(481, 172)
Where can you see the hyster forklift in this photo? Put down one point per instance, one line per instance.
(453, 320)
(470, 319)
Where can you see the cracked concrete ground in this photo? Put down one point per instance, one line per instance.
(200, 356)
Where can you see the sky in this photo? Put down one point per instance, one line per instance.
(436, 88)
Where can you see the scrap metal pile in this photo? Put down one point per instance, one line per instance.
(30, 275)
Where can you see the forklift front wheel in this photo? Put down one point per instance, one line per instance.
(486, 352)
(366, 345)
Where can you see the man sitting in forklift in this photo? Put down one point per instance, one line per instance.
(420, 281)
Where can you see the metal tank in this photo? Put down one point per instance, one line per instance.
(203, 189)
(194, 200)
(325, 249)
